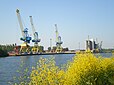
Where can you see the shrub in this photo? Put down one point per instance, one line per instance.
(3, 53)
(87, 69)
(84, 69)
(46, 73)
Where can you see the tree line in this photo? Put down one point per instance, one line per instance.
(4, 49)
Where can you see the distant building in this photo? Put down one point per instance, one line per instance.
(92, 45)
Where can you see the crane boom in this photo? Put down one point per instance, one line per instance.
(31, 20)
(20, 22)
(35, 40)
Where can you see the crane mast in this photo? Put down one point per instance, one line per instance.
(36, 39)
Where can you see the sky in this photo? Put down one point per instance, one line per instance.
(76, 19)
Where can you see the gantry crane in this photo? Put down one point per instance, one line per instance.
(35, 49)
(58, 41)
(25, 36)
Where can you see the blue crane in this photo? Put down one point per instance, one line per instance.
(36, 40)
(58, 41)
(25, 36)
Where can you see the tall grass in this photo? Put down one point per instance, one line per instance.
(84, 69)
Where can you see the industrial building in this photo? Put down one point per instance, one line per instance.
(93, 45)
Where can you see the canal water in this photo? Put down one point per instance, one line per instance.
(10, 65)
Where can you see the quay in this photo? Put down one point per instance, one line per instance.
(45, 53)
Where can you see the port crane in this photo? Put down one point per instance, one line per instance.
(25, 36)
(58, 41)
(36, 40)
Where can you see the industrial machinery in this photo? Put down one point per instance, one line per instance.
(25, 36)
(35, 48)
(58, 41)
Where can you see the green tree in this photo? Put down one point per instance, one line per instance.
(49, 48)
(3, 53)
(41, 49)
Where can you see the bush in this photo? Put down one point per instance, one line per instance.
(46, 73)
(84, 69)
(3, 53)
(87, 69)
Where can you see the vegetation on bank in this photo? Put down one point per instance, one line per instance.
(84, 69)
(7, 47)
(4, 49)
(3, 53)
(108, 50)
